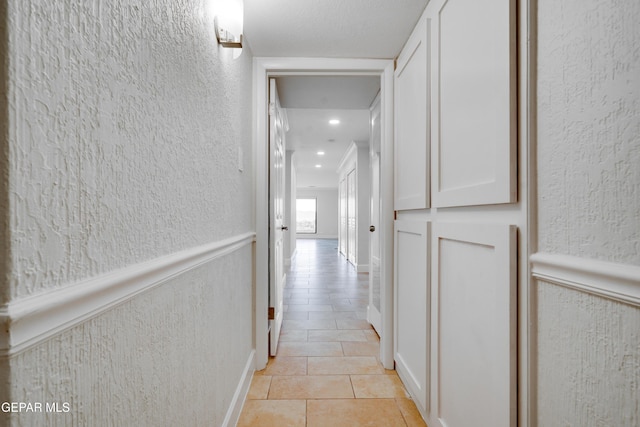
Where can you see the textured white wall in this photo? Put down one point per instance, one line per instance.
(124, 122)
(588, 206)
(170, 357)
(589, 360)
(5, 257)
(589, 128)
(125, 118)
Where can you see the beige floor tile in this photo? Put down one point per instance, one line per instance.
(324, 315)
(354, 412)
(316, 291)
(295, 315)
(259, 387)
(344, 307)
(353, 324)
(273, 413)
(309, 324)
(410, 413)
(311, 387)
(285, 366)
(336, 335)
(341, 301)
(289, 349)
(294, 301)
(377, 386)
(368, 348)
(299, 293)
(293, 335)
(344, 365)
(311, 307)
(371, 335)
(319, 299)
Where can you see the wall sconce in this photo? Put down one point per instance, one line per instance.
(225, 38)
(228, 23)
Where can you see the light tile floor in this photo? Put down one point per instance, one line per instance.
(327, 371)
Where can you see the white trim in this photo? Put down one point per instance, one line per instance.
(240, 395)
(29, 321)
(263, 68)
(362, 268)
(619, 282)
(292, 257)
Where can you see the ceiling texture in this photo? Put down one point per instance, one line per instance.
(310, 103)
(332, 29)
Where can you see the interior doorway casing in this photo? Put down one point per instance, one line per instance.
(273, 67)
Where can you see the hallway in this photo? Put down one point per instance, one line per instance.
(327, 370)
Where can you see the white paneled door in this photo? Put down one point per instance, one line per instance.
(474, 114)
(351, 216)
(412, 171)
(374, 309)
(476, 324)
(277, 275)
(456, 146)
(342, 232)
(412, 308)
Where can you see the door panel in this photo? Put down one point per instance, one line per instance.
(476, 324)
(277, 275)
(374, 314)
(474, 97)
(343, 216)
(411, 144)
(351, 217)
(411, 296)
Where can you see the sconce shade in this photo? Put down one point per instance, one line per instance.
(228, 23)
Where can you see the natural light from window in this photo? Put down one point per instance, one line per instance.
(306, 216)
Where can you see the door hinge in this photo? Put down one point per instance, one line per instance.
(272, 108)
(272, 313)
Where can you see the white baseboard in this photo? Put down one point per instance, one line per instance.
(362, 268)
(28, 321)
(240, 395)
(620, 282)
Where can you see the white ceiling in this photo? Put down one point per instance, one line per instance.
(330, 28)
(310, 103)
(327, 28)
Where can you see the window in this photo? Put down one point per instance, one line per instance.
(306, 216)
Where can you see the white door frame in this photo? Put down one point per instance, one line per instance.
(263, 68)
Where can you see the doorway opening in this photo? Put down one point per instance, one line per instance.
(381, 71)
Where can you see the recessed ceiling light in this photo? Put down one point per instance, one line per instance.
(320, 153)
(318, 166)
(334, 122)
